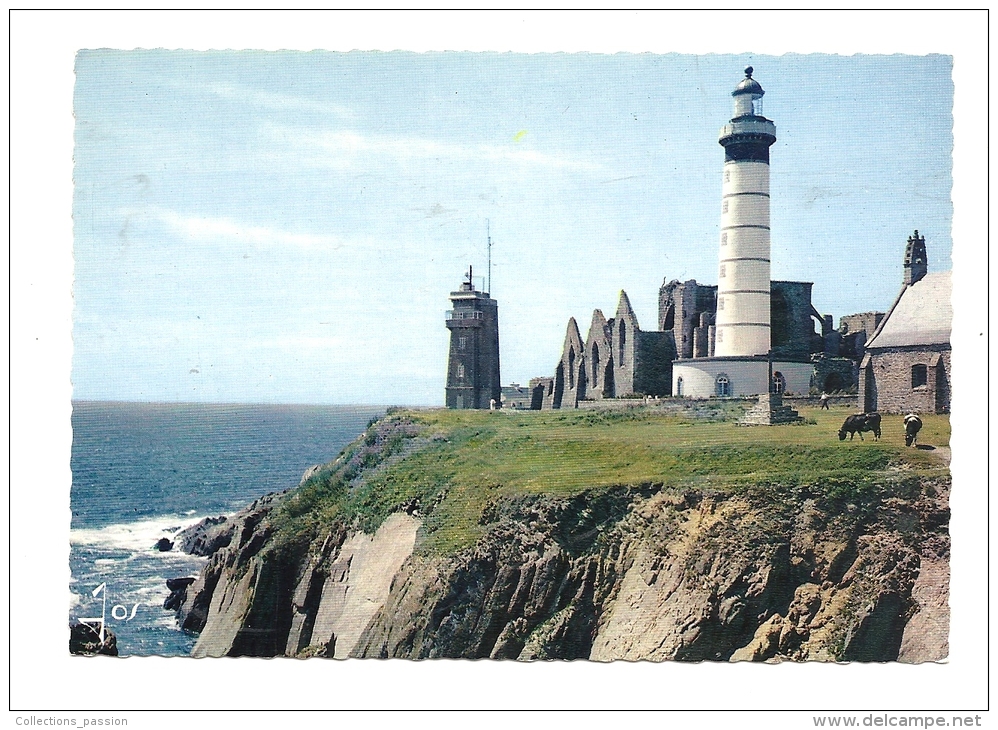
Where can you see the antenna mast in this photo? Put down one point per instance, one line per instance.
(488, 234)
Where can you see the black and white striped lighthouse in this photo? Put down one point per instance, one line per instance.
(743, 284)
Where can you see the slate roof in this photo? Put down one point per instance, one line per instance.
(922, 315)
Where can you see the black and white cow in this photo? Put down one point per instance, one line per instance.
(912, 425)
(858, 424)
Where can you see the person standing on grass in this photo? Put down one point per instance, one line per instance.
(824, 400)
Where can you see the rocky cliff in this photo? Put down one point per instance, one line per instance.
(750, 571)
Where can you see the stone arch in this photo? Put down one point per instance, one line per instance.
(608, 382)
(832, 383)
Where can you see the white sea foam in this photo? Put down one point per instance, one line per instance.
(136, 536)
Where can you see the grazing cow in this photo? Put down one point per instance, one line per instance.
(912, 425)
(859, 423)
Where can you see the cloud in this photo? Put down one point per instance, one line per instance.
(228, 229)
(342, 148)
(271, 100)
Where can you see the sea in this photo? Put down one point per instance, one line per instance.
(143, 471)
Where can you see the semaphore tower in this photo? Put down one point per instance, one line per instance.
(473, 363)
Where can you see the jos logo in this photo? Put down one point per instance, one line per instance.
(118, 612)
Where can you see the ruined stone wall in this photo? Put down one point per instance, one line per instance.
(834, 374)
(863, 322)
(598, 358)
(653, 358)
(541, 393)
(625, 332)
(680, 305)
(886, 381)
(856, 330)
(793, 335)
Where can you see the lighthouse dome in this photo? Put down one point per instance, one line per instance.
(748, 85)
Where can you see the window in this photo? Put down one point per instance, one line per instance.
(724, 238)
(919, 376)
(722, 274)
(623, 340)
(679, 385)
(460, 371)
(724, 207)
(462, 342)
(722, 386)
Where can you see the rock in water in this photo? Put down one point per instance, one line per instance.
(164, 545)
(178, 592)
(85, 641)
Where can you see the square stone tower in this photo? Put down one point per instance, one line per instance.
(473, 363)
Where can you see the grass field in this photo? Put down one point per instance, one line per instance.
(474, 457)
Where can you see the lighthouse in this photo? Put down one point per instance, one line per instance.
(743, 285)
(741, 358)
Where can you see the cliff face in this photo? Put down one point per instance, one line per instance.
(761, 574)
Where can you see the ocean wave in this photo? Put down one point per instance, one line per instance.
(138, 536)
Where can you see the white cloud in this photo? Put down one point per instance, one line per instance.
(271, 100)
(228, 229)
(344, 147)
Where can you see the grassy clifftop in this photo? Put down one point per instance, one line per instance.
(449, 466)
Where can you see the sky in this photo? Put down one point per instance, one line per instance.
(259, 226)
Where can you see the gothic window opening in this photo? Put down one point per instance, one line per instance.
(919, 376)
(460, 371)
(462, 343)
(571, 368)
(722, 386)
(679, 385)
(623, 339)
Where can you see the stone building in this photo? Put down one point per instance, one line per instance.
(907, 362)
(616, 359)
(473, 362)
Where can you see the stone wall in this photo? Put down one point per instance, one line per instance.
(624, 334)
(834, 374)
(886, 380)
(653, 358)
(598, 358)
(680, 305)
(541, 393)
(793, 336)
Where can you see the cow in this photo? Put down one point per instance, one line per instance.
(912, 425)
(859, 423)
